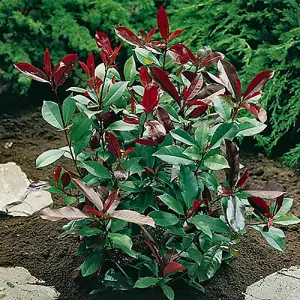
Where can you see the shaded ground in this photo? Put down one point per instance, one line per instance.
(35, 244)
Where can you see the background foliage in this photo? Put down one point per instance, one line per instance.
(254, 35)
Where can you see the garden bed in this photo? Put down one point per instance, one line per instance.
(35, 244)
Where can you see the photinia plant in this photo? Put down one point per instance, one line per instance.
(156, 192)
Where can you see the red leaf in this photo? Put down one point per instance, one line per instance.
(279, 202)
(112, 144)
(90, 209)
(258, 111)
(196, 102)
(132, 105)
(163, 79)
(154, 252)
(133, 217)
(147, 142)
(172, 267)
(104, 58)
(103, 43)
(194, 88)
(47, 63)
(65, 179)
(175, 34)
(259, 204)
(57, 173)
(67, 212)
(85, 68)
(164, 118)
(32, 72)
(131, 120)
(128, 36)
(155, 131)
(163, 23)
(91, 64)
(121, 174)
(200, 110)
(128, 151)
(243, 179)
(211, 91)
(144, 76)
(149, 170)
(228, 77)
(212, 59)
(233, 161)
(150, 98)
(258, 83)
(63, 69)
(182, 54)
(110, 200)
(115, 54)
(150, 35)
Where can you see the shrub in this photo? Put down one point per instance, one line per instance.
(64, 26)
(157, 192)
(255, 35)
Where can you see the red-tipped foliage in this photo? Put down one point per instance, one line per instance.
(63, 69)
(212, 59)
(109, 201)
(194, 88)
(243, 179)
(164, 118)
(128, 36)
(259, 205)
(163, 80)
(257, 84)
(175, 34)
(103, 43)
(144, 76)
(47, 63)
(182, 54)
(172, 267)
(32, 72)
(112, 144)
(150, 98)
(258, 111)
(163, 23)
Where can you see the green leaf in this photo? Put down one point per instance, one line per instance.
(275, 237)
(173, 155)
(129, 186)
(172, 203)
(144, 200)
(70, 200)
(210, 263)
(145, 57)
(224, 131)
(81, 124)
(193, 153)
(146, 282)
(123, 242)
(216, 162)
(249, 127)
(89, 231)
(76, 89)
(82, 143)
(162, 218)
(183, 136)
(287, 220)
(214, 224)
(202, 135)
(68, 109)
(96, 169)
(223, 108)
(168, 291)
(92, 264)
(51, 114)
(286, 206)
(130, 69)
(235, 212)
(188, 184)
(48, 157)
(122, 126)
(195, 255)
(115, 92)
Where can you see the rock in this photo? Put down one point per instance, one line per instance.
(17, 283)
(282, 285)
(15, 198)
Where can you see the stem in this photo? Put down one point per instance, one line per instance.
(65, 131)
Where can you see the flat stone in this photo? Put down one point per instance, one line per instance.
(15, 198)
(282, 285)
(18, 284)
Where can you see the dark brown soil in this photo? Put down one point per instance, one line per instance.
(35, 244)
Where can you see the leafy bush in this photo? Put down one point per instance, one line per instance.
(157, 192)
(64, 26)
(255, 35)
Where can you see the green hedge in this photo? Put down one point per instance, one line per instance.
(27, 27)
(255, 35)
